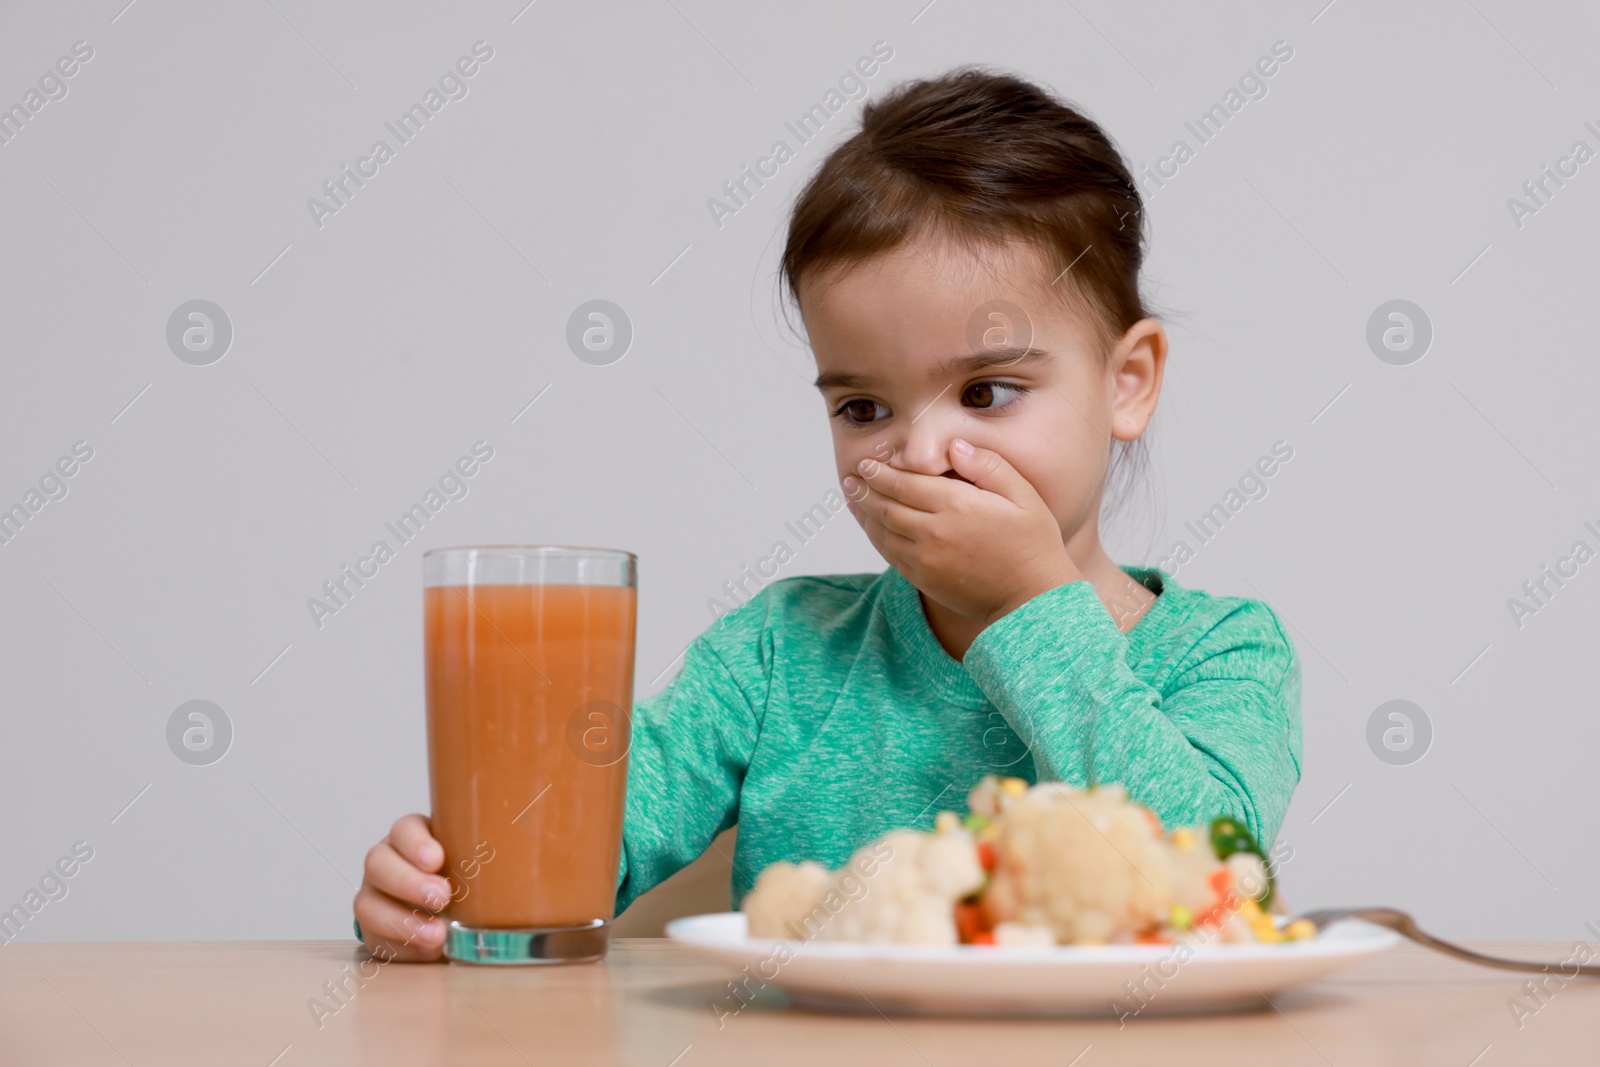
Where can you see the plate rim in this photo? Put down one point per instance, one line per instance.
(1357, 938)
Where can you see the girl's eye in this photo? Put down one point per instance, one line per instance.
(983, 395)
(852, 408)
(980, 395)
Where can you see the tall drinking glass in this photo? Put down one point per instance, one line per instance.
(530, 653)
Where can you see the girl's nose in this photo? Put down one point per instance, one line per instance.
(926, 446)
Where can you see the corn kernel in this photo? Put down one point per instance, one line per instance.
(1014, 787)
(1180, 917)
(945, 821)
(1183, 839)
(1301, 930)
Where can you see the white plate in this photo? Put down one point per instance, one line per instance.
(1114, 980)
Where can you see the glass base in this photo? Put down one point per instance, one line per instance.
(585, 943)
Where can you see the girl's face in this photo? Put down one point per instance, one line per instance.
(928, 342)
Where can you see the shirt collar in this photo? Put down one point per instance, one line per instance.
(902, 605)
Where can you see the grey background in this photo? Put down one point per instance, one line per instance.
(370, 353)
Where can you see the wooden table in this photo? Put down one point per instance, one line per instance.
(650, 1004)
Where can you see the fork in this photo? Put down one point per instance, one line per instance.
(1403, 924)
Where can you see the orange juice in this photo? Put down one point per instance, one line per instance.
(530, 687)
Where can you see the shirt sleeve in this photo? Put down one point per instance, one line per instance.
(689, 748)
(1221, 737)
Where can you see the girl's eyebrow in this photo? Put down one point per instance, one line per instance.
(1007, 356)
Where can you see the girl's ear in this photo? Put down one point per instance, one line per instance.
(1137, 365)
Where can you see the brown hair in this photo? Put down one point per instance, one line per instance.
(983, 158)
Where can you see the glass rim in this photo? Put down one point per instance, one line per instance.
(567, 551)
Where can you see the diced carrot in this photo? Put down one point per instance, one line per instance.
(986, 858)
(1151, 937)
(1221, 881)
(970, 922)
(985, 937)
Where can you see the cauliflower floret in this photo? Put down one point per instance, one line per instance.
(901, 888)
(984, 798)
(1236, 929)
(784, 892)
(993, 795)
(1091, 866)
(1021, 934)
(911, 897)
(1249, 875)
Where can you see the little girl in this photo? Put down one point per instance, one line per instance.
(967, 268)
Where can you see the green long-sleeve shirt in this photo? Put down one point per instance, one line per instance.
(823, 713)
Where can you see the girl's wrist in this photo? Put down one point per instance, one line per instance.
(1057, 576)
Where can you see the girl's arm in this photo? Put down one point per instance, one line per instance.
(690, 746)
(1223, 738)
